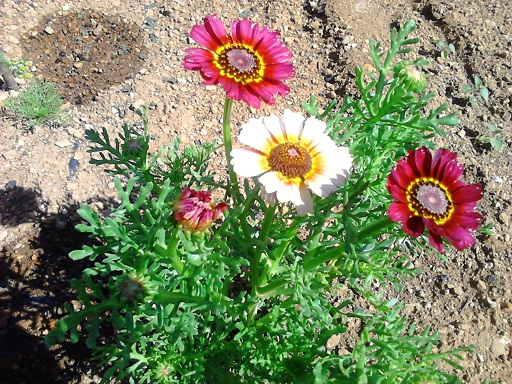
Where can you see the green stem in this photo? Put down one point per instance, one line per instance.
(167, 297)
(330, 254)
(375, 228)
(228, 147)
(263, 237)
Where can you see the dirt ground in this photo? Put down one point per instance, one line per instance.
(109, 57)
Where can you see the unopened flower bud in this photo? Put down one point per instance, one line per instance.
(412, 77)
(195, 210)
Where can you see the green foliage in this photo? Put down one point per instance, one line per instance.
(19, 68)
(475, 90)
(493, 137)
(252, 299)
(446, 49)
(36, 104)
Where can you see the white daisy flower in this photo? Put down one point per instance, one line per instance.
(292, 154)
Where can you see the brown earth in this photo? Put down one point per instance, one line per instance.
(108, 57)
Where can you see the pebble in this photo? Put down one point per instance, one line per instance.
(504, 217)
(499, 346)
(49, 30)
(63, 143)
(481, 286)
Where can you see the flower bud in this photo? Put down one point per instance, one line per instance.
(413, 78)
(195, 211)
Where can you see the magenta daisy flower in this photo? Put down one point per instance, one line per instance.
(428, 193)
(251, 64)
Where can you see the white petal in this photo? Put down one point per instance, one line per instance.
(293, 125)
(275, 127)
(337, 162)
(285, 191)
(307, 202)
(322, 186)
(255, 135)
(270, 181)
(248, 163)
(313, 128)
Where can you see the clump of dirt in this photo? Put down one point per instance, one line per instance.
(85, 52)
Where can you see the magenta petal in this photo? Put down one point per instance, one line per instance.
(436, 241)
(402, 175)
(441, 158)
(414, 226)
(215, 28)
(422, 160)
(451, 173)
(458, 236)
(397, 193)
(268, 89)
(244, 32)
(467, 193)
(469, 220)
(196, 57)
(399, 212)
(281, 71)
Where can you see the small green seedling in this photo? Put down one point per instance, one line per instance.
(476, 89)
(446, 48)
(19, 68)
(38, 103)
(494, 137)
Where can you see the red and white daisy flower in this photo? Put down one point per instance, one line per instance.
(250, 64)
(428, 193)
(292, 154)
(195, 210)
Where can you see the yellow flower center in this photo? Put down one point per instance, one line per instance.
(291, 159)
(430, 199)
(239, 62)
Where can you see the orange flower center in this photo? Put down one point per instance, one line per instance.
(239, 62)
(291, 159)
(430, 199)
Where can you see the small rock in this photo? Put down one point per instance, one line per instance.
(499, 346)
(504, 218)
(11, 184)
(333, 341)
(49, 30)
(97, 31)
(138, 104)
(63, 143)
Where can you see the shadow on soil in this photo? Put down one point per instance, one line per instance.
(35, 275)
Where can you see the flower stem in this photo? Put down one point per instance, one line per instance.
(228, 147)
